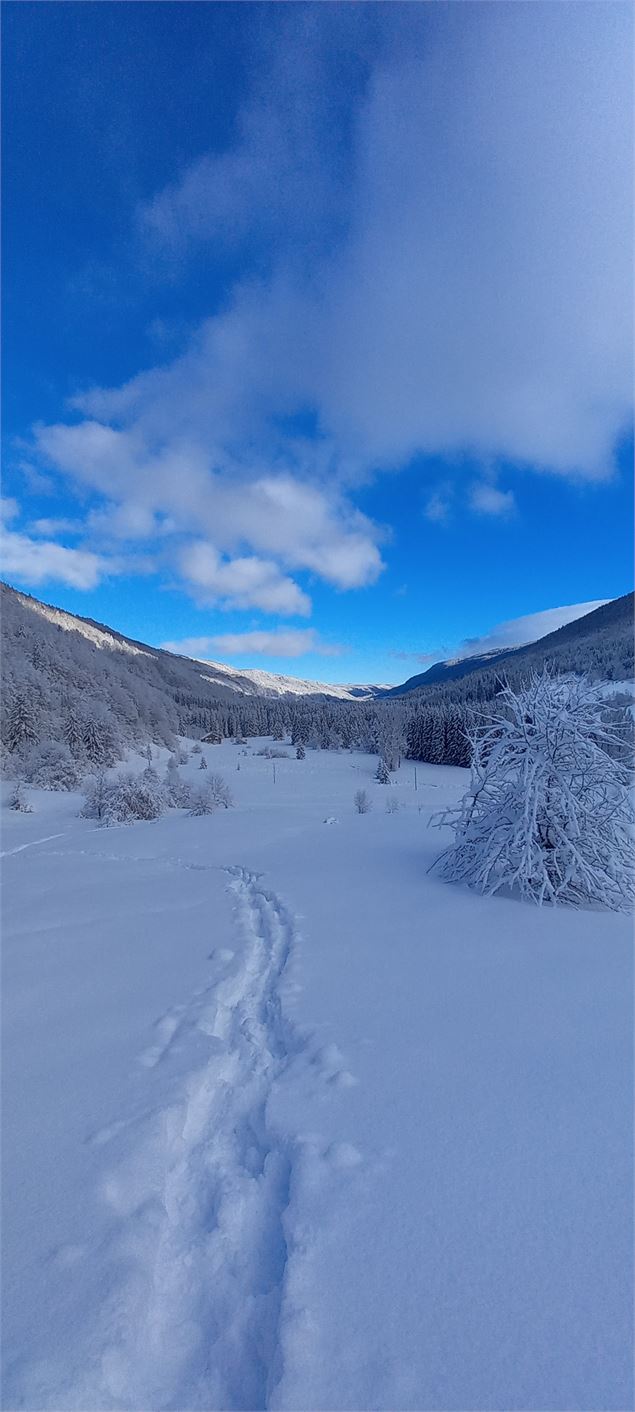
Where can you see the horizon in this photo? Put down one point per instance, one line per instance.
(328, 365)
(505, 637)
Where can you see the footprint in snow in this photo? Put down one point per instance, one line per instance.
(342, 1155)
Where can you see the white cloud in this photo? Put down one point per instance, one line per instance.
(487, 499)
(479, 299)
(279, 642)
(519, 631)
(437, 508)
(181, 488)
(446, 271)
(241, 583)
(37, 561)
(9, 509)
(58, 525)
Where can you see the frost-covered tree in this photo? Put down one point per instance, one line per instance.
(125, 799)
(73, 729)
(362, 801)
(50, 765)
(382, 773)
(549, 811)
(203, 801)
(177, 791)
(98, 741)
(219, 791)
(203, 764)
(300, 753)
(21, 728)
(18, 799)
(96, 798)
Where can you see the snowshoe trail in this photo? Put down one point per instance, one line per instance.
(198, 1326)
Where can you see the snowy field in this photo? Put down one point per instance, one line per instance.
(289, 1123)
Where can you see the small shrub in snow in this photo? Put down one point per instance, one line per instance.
(279, 755)
(178, 792)
(197, 748)
(549, 811)
(203, 764)
(124, 799)
(18, 800)
(203, 801)
(392, 804)
(362, 801)
(220, 791)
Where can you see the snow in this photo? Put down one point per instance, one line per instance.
(275, 684)
(291, 1123)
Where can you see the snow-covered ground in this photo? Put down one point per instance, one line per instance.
(290, 1123)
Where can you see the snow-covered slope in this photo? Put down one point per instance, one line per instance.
(599, 642)
(28, 610)
(272, 684)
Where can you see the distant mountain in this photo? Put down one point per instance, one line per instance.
(251, 681)
(451, 670)
(24, 616)
(600, 642)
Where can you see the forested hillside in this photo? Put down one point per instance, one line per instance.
(78, 695)
(600, 644)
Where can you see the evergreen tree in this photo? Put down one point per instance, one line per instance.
(22, 725)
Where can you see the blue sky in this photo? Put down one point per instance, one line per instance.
(317, 344)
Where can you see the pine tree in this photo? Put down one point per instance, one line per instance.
(73, 734)
(300, 753)
(382, 773)
(21, 728)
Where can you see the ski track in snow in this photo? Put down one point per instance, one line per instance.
(198, 1323)
(8, 852)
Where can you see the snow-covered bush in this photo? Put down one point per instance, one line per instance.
(392, 804)
(18, 800)
(124, 799)
(197, 748)
(300, 753)
(362, 801)
(203, 764)
(219, 791)
(549, 811)
(203, 801)
(382, 773)
(177, 791)
(51, 766)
